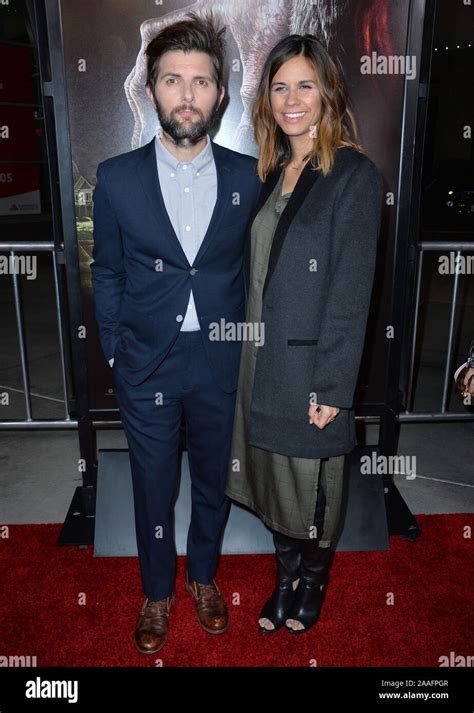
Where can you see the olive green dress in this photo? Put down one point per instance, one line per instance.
(282, 490)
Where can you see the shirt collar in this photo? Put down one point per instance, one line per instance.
(197, 164)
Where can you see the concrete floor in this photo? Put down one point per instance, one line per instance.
(39, 469)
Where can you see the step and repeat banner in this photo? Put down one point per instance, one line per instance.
(110, 112)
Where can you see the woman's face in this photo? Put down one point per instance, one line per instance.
(295, 98)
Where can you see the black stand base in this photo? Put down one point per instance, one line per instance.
(79, 525)
(399, 517)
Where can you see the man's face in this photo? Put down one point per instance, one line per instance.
(186, 97)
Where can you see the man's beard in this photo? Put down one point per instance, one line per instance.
(186, 133)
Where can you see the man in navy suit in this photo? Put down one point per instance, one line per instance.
(169, 225)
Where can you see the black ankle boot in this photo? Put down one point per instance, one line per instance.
(309, 594)
(288, 556)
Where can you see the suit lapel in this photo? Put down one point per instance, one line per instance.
(223, 200)
(148, 172)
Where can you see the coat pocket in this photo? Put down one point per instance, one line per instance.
(301, 342)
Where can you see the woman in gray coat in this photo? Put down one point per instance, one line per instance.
(309, 269)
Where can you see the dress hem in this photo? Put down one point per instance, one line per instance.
(270, 523)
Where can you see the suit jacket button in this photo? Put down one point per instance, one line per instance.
(179, 318)
(193, 271)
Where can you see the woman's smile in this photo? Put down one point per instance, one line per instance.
(294, 117)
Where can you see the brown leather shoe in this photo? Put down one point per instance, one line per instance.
(151, 630)
(211, 608)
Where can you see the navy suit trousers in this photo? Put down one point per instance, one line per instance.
(151, 415)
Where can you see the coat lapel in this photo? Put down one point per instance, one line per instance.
(300, 191)
(265, 191)
(304, 184)
(148, 172)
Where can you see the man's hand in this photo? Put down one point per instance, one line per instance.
(321, 415)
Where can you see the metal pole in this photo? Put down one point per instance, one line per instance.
(21, 337)
(450, 339)
(415, 329)
(59, 317)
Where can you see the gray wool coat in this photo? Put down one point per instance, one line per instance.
(315, 307)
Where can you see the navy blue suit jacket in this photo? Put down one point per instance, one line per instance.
(141, 276)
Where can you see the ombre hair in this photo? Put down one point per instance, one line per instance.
(336, 122)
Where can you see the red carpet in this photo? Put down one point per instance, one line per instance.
(432, 581)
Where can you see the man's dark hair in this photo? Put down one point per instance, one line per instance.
(194, 33)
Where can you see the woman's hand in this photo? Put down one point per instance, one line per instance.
(469, 381)
(321, 415)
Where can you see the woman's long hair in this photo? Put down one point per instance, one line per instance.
(336, 122)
